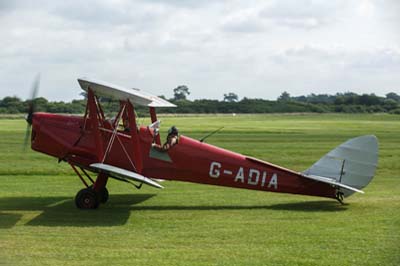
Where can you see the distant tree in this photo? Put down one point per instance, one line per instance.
(339, 100)
(393, 96)
(231, 97)
(368, 99)
(13, 105)
(181, 92)
(390, 104)
(41, 104)
(347, 102)
(315, 98)
(285, 97)
(10, 101)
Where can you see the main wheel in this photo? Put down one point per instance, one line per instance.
(103, 195)
(86, 199)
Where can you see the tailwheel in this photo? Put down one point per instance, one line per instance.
(340, 197)
(86, 199)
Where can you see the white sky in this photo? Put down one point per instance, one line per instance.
(256, 49)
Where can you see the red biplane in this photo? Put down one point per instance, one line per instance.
(119, 148)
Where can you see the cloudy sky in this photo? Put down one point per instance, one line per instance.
(252, 48)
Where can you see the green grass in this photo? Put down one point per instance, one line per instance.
(190, 224)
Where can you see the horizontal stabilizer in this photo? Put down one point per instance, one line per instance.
(124, 174)
(332, 182)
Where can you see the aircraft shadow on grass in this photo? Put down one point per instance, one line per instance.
(61, 211)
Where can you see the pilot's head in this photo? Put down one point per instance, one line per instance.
(173, 131)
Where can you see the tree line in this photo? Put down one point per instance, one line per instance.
(317, 103)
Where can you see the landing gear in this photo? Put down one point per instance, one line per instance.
(87, 199)
(103, 195)
(340, 197)
(90, 197)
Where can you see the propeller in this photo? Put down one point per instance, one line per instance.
(31, 108)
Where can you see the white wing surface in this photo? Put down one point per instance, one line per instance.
(116, 92)
(124, 174)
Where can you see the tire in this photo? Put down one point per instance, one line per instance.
(101, 196)
(86, 199)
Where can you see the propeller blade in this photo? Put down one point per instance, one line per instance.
(27, 135)
(31, 108)
(35, 87)
(34, 92)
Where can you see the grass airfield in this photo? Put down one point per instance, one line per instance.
(191, 224)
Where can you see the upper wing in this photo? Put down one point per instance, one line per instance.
(136, 96)
(124, 174)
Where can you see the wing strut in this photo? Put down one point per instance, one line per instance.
(153, 116)
(137, 154)
(114, 133)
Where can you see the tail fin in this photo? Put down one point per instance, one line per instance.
(352, 165)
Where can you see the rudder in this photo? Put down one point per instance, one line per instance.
(352, 163)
